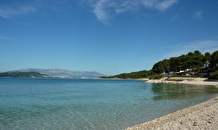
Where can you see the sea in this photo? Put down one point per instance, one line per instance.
(91, 104)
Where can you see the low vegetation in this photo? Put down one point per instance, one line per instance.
(191, 64)
(184, 76)
(136, 75)
(214, 75)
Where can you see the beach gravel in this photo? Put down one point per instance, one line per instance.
(202, 116)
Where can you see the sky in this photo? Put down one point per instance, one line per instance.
(107, 36)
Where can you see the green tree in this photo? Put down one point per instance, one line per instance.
(192, 60)
(214, 75)
(206, 60)
(197, 53)
(197, 61)
(214, 61)
(161, 66)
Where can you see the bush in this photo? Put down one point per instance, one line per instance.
(214, 75)
(184, 76)
(156, 76)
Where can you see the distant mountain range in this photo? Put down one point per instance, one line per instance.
(24, 74)
(63, 73)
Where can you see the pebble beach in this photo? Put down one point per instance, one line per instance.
(198, 117)
(203, 116)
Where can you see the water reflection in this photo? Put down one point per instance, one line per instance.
(180, 91)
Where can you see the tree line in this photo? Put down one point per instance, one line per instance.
(136, 75)
(195, 61)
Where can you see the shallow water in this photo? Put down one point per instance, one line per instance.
(96, 104)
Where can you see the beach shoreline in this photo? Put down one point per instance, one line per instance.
(182, 80)
(200, 116)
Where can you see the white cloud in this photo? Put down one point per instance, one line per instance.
(160, 5)
(101, 12)
(127, 6)
(9, 12)
(184, 48)
(103, 9)
(164, 5)
(198, 14)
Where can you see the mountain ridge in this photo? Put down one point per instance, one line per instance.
(23, 74)
(64, 73)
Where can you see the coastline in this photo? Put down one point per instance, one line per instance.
(182, 80)
(200, 116)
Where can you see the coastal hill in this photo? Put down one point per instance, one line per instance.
(193, 64)
(24, 74)
(55, 73)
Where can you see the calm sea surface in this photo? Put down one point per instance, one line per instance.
(97, 104)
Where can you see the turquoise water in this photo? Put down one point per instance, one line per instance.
(96, 104)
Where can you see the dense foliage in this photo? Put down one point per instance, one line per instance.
(135, 75)
(23, 74)
(214, 61)
(214, 75)
(194, 61)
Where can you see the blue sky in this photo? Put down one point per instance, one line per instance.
(108, 36)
